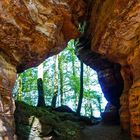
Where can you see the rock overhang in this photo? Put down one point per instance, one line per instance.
(32, 30)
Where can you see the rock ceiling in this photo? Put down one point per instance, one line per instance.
(32, 30)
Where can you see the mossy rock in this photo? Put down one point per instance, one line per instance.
(36, 122)
(69, 130)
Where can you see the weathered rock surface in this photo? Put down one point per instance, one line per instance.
(30, 31)
(7, 79)
(115, 28)
(115, 34)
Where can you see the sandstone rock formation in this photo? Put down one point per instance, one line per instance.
(41, 28)
(115, 34)
(30, 31)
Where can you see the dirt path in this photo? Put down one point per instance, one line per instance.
(103, 132)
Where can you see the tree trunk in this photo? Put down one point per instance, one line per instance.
(41, 99)
(61, 78)
(91, 110)
(81, 90)
(74, 75)
(100, 107)
(54, 98)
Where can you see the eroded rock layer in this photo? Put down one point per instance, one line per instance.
(115, 34)
(30, 31)
(7, 80)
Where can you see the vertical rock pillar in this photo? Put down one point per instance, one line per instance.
(124, 99)
(134, 95)
(7, 80)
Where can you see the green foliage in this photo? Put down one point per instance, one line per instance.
(75, 83)
(69, 73)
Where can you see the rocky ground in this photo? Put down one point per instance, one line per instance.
(35, 123)
(103, 132)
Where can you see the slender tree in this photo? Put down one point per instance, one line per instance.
(81, 90)
(99, 98)
(73, 71)
(61, 79)
(55, 94)
(41, 99)
(91, 110)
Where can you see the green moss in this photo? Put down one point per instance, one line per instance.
(69, 129)
(44, 122)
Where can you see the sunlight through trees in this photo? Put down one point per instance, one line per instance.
(60, 76)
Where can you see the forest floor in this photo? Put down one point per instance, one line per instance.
(36, 123)
(103, 132)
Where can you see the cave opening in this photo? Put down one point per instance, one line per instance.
(61, 73)
(32, 30)
(60, 78)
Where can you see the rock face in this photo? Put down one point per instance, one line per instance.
(30, 31)
(115, 34)
(109, 75)
(7, 79)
